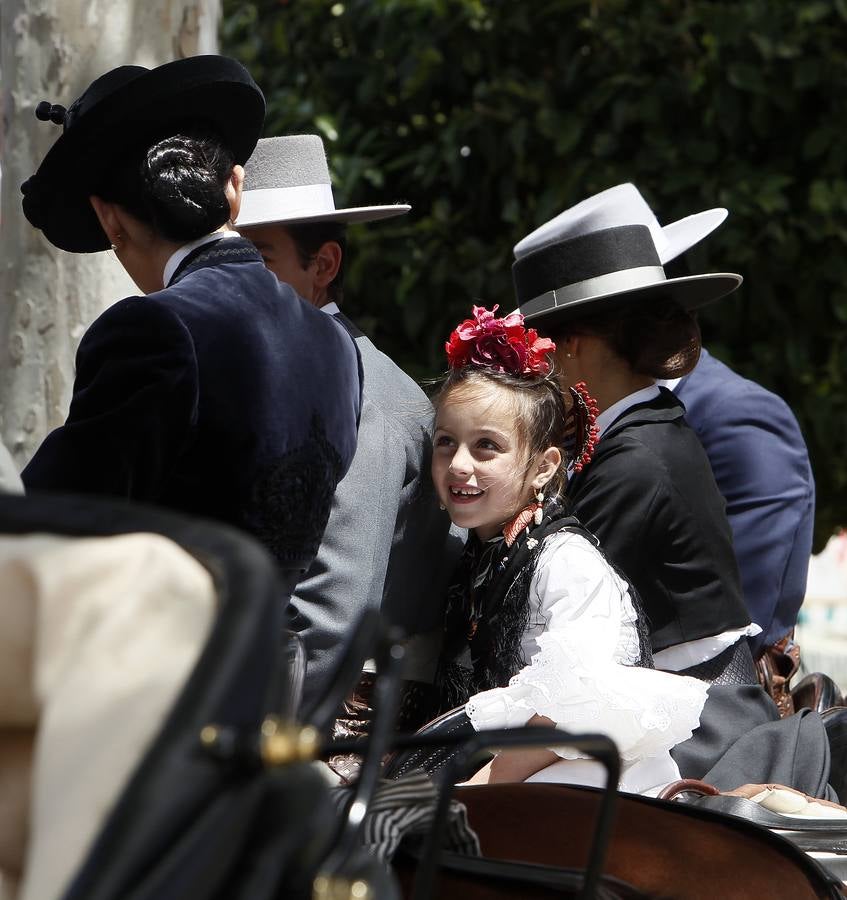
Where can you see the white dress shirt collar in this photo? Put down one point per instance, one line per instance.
(605, 419)
(331, 309)
(179, 255)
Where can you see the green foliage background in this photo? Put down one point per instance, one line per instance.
(490, 116)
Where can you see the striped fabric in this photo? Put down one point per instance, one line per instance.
(405, 809)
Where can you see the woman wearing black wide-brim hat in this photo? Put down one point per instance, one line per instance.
(620, 324)
(205, 394)
(593, 280)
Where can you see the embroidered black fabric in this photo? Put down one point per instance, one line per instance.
(217, 252)
(292, 497)
(733, 666)
(488, 609)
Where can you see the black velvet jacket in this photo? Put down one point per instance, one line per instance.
(224, 395)
(650, 497)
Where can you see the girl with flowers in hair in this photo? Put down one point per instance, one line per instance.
(540, 627)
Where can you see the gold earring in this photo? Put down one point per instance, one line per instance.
(114, 246)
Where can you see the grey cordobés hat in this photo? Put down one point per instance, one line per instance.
(287, 182)
(608, 267)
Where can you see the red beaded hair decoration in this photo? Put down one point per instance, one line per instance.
(581, 426)
(505, 345)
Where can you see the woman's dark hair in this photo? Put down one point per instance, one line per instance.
(541, 411)
(656, 337)
(309, 237)
(176, 185)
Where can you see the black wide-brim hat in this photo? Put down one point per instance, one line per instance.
(602, 271)
(117, 113)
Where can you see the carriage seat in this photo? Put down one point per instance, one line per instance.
(85, 684)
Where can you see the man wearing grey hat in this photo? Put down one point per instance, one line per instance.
(385, 542)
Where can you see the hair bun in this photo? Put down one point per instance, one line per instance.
(50, 112)
(184, 178)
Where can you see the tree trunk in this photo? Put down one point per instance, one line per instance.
(51, 50)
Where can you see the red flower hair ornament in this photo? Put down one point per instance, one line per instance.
(504, 345)
(501, 344)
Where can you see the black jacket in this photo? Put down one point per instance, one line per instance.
(223, 395)
(650, 497)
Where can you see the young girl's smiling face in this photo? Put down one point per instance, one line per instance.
(479, 459)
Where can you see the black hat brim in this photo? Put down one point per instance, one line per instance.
(214, 90)
(691, 292)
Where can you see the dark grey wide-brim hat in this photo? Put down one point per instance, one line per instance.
(287, 182)
(604, 270)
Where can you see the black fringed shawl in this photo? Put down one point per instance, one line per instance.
(488, 610)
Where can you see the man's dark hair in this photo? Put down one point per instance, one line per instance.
(308, 239)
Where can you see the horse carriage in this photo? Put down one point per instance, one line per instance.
(151, 695)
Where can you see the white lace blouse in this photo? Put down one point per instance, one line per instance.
(582, 644)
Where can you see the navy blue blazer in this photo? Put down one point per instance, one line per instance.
(650, 497)
(224, 395)
(762, 468)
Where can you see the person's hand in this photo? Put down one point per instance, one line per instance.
(509, 766)
(483, 776)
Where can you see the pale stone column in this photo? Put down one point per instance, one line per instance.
(51, 50)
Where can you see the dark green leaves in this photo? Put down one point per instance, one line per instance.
(490, 116)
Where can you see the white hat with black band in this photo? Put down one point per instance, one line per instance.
(574, 275)
(623, 205)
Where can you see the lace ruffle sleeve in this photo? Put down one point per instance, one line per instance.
(578, 675)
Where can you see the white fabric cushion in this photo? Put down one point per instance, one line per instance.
(97, 637)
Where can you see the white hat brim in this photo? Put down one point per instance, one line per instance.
(348, 216)
(690, 292)
(685, 233)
